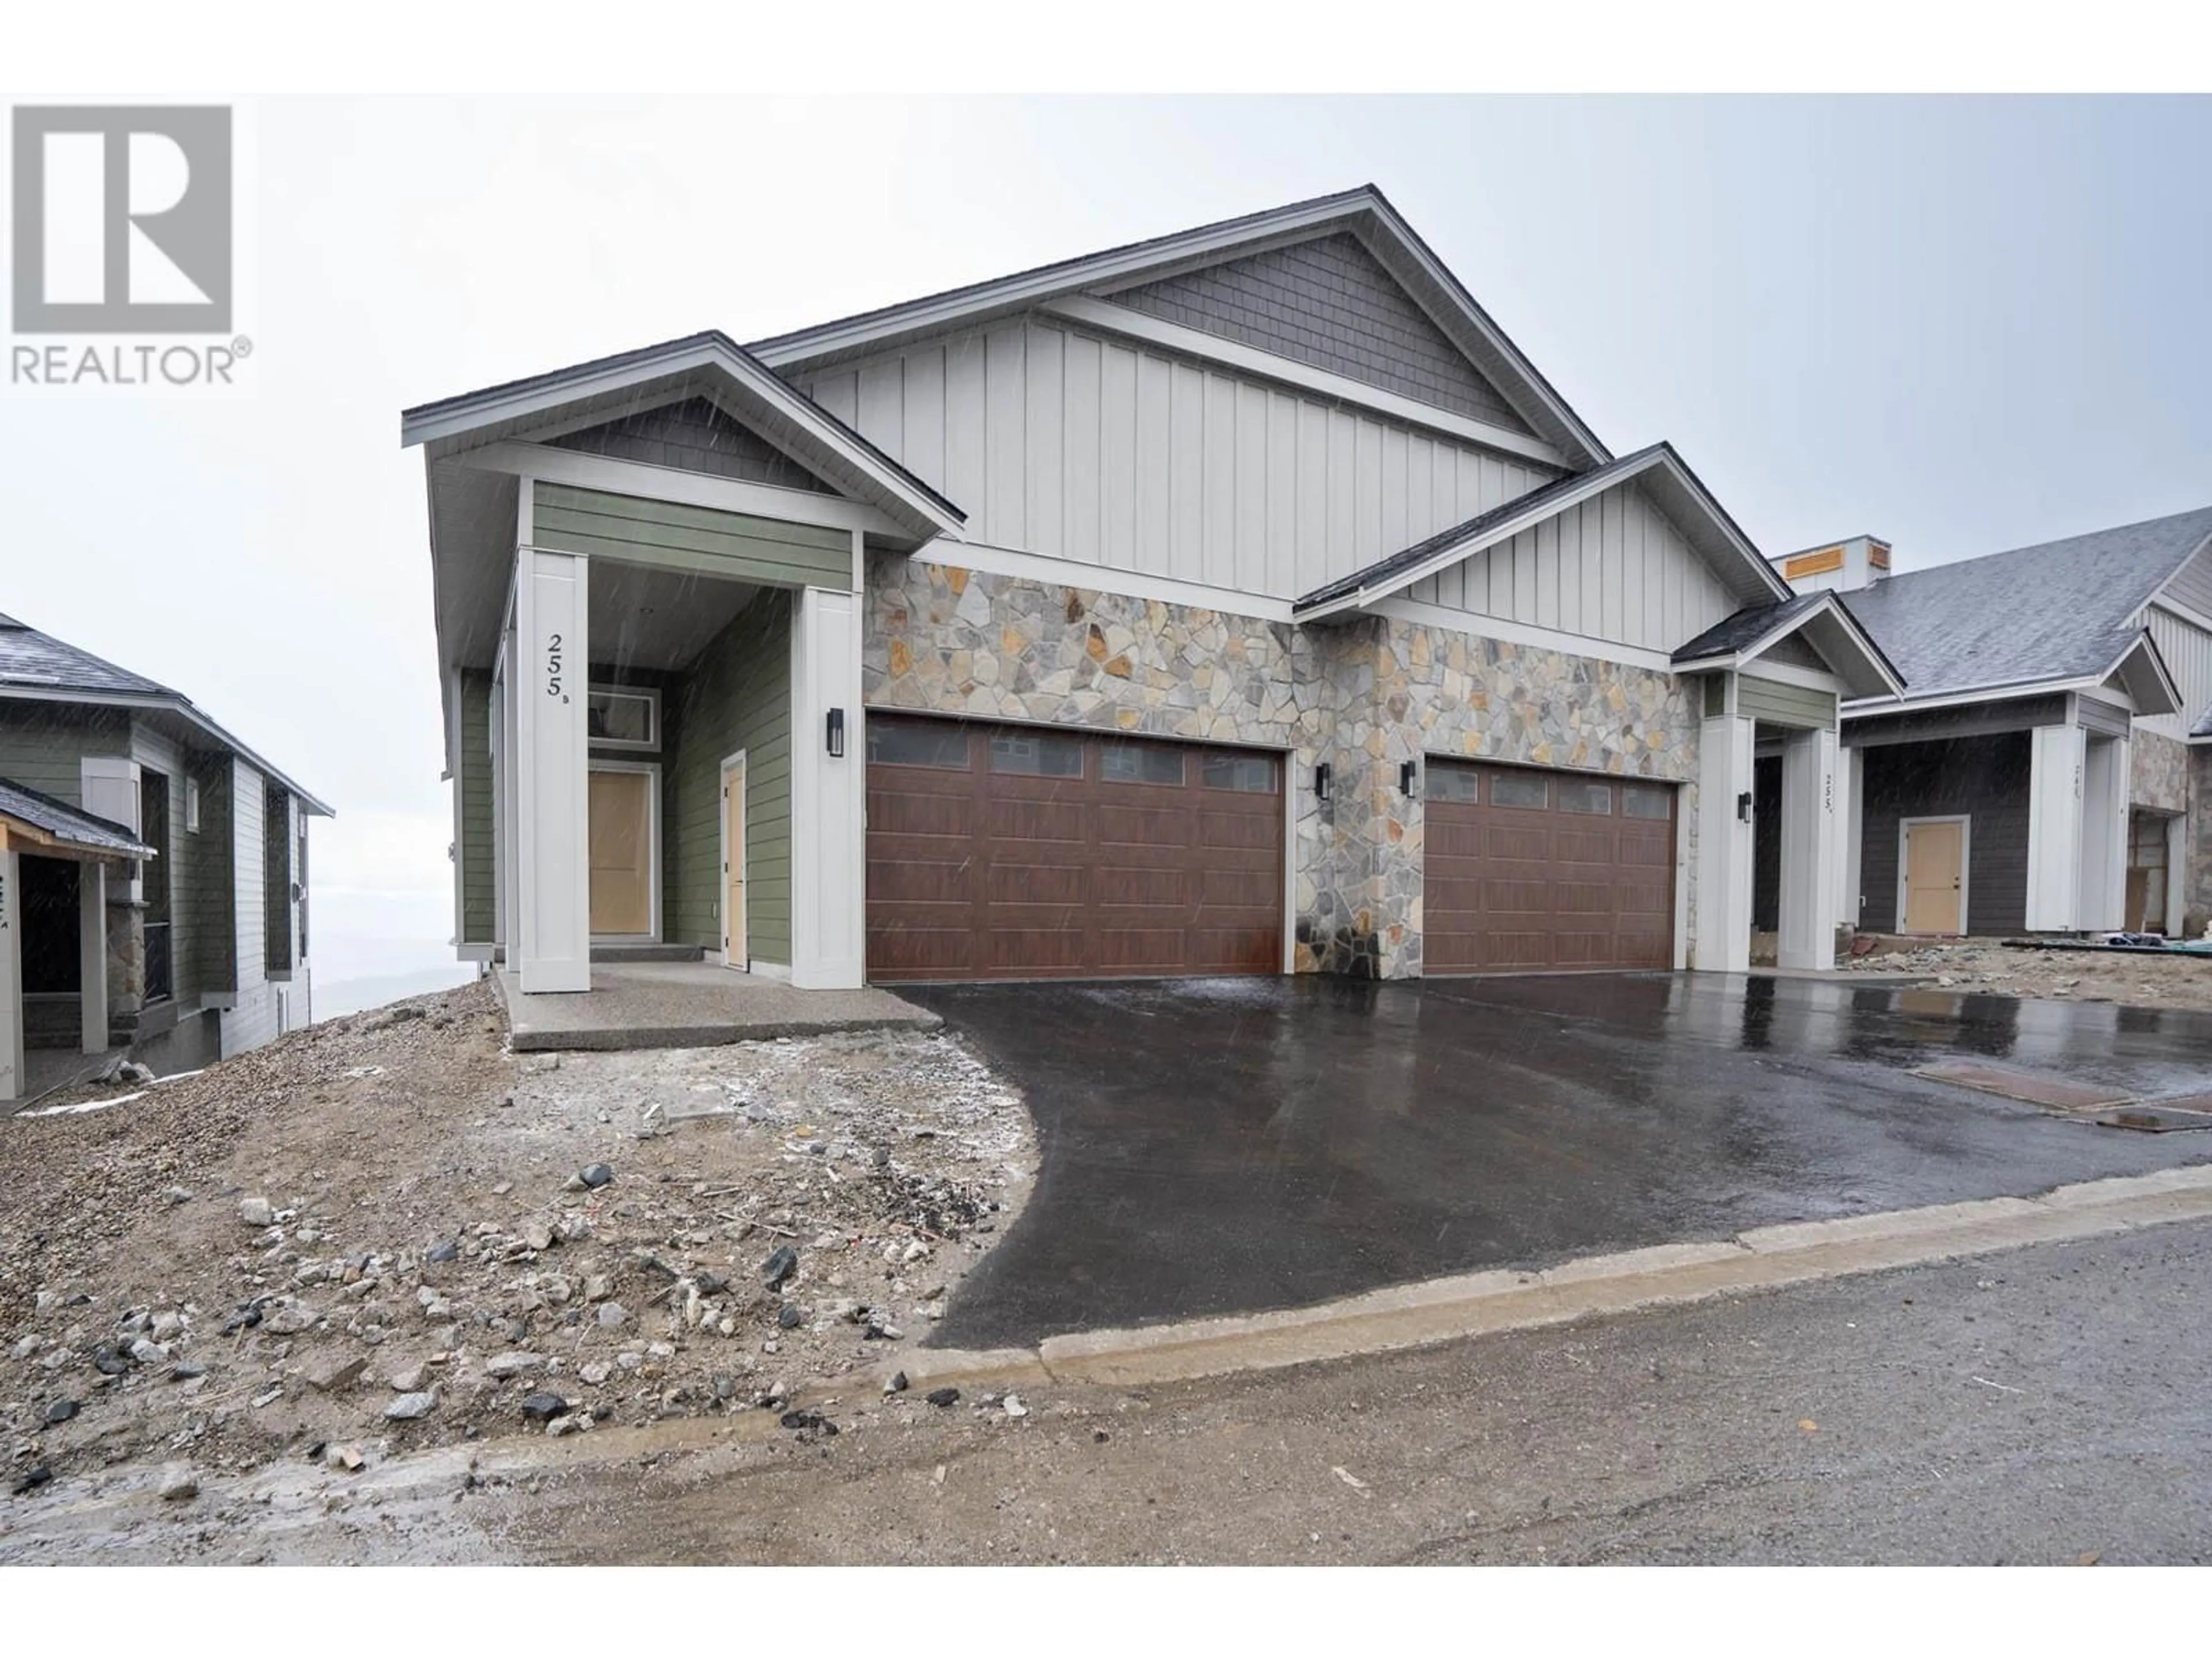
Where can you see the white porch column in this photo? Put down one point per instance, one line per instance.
(829, 796)
(2055, 758)
(91, 954)
(1722, 923)
(1850, 828)
(504, 903)
(13, 1080)
(2105, 834)
(551, 945)
(2177, 873)
(1809, 824)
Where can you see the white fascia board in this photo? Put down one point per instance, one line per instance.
(1866, 708)
(1195, 343)
(1453, 552)
(1789, 673)
(666, 483)
(168, 705)
(1099, 579)
(2159, 593)
(461, 417)
(1404, 243)
(1528, 634)
(2180, 612)
(1833, 612)
(473, 414)
(2147, 648)
(924, 316)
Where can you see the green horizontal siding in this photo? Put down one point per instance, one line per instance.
(1779, 704)
(474, 867)
(732, 545)
(738, 696)
(42, 743)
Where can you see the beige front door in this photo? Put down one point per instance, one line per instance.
(621, 853)
(734, 863)
(1935, 877)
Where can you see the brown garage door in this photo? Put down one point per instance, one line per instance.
(1529, 870)
(1004, 852)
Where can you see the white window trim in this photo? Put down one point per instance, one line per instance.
(191, 806)
(651, 769)
(1965, 823)
(651, 696)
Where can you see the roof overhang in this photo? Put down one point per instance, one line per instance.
(2139, 672)
(31, 823)
(171, 703)
(2142, 672)
(1365, 213)
(709, 365)
(1831, 629)
(1678, 491)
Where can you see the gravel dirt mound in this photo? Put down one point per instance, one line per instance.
(387, 1232)
(2140, 980)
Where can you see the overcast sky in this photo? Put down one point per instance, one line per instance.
(1963, 325)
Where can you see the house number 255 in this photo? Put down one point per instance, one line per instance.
(553, 666)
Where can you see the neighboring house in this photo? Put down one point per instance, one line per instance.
(155, 871)
(1242, 601)
(2040, 773)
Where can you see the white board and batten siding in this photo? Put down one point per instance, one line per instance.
(2187, 649)
(1067, 445)
(1614, 569)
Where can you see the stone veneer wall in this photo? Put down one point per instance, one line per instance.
(1365, 696)
(2158, 769)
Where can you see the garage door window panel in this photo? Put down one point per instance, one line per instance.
(937, 743)
(1514, 790)
(1251, 775)
(1146, 763)
(1036, 755)
(1458, 784)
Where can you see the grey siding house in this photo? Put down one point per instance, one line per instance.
(1239, 601)
(2049, 766)
(156, 897)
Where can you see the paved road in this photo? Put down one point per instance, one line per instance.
(2041, 1405)
(1229, 1145)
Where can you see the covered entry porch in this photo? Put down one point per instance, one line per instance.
(648, 575)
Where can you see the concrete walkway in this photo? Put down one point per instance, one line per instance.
(691, 1005)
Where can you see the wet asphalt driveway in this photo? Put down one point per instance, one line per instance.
(1220, 1146)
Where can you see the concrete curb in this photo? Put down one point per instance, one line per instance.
(1475, 1304)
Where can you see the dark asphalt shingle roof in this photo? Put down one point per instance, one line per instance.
(2057, 610)
(33, 663)
(1748, 627)
(32, 658)
(66, 823)
(1409, 558)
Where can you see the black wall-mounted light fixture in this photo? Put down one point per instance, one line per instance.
(837, 732)
(1321, 781)
(1407, 776)
(1743, 806)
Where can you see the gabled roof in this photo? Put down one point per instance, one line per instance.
(709, 364)
(57, 823)
(1736, 641)
(37, 667)
(1701, 518)
(1364, 212)
(2060, 611)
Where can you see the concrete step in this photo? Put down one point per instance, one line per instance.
(648, 953)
